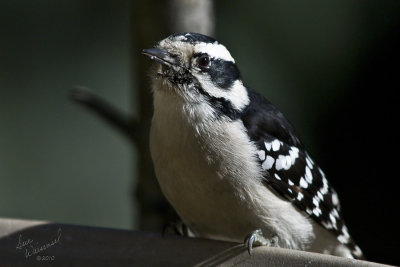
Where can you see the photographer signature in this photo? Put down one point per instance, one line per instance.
(32, 248)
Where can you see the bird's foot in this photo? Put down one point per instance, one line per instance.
(256, 238)
(178, 228)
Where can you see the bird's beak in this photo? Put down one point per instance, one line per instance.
(160, 55)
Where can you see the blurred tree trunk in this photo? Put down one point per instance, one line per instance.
(151, 21)
(191, 16)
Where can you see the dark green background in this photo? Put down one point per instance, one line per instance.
(331, 67)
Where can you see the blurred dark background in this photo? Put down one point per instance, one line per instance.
(331, 67)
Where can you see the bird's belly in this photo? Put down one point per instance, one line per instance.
(202, 186)
(207, 203)
(212, 178)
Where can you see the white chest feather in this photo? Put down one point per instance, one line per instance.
(209, 173)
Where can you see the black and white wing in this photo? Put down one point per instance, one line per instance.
(290, 171)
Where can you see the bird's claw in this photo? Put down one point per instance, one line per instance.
(178, 228)
(256, 238)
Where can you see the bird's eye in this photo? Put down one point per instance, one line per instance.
(203, 61)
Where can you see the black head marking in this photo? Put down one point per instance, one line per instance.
(192, 37)
(223, 73)
(222, 106)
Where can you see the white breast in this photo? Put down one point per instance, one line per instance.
(206, 171)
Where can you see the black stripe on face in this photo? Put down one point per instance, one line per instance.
(221, 105)
(223, 73)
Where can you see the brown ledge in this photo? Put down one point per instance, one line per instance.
(41, 243)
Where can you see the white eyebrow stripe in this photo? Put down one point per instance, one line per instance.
(215, 50)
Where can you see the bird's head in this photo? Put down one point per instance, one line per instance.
(200, 70)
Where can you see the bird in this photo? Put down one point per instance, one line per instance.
(228, 160)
